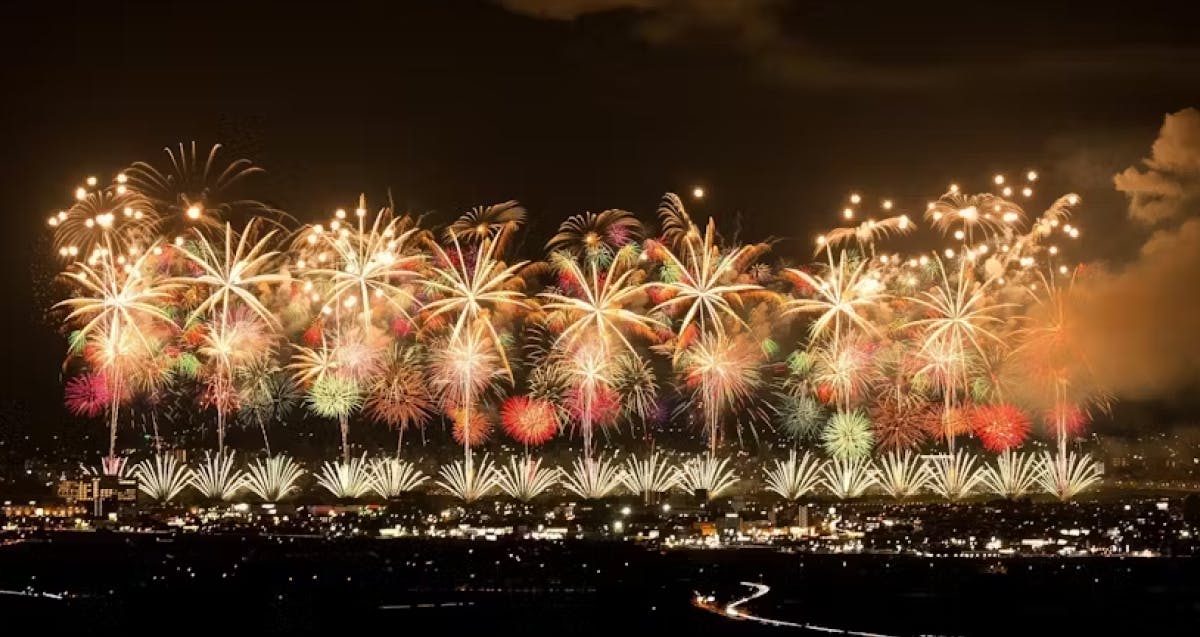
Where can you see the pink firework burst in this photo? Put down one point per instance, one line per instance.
(1000, 427)
(530, 421)
(88, 395)
(1073, 418)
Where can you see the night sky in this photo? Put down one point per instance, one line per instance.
(778, 109)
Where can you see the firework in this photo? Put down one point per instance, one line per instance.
(1000, 427)
(110, 221)
(273, 478)
(708, 474)
(231, 271)
(400, 397)
(596, 236)
(592, 478)
(848, 435)
(965, 215)
(703, 287)
(473, 291)
(848, 478)
(529, 421)
(800, 417)
(88, 395)
(336, 398)
(601, 309)
(526, 479)
(371, 264)
(216, 478)
(162, 477)
(1066, 475)
(842, 299)
(266, 395)
(471, 428)
(190, 193)
(649, 475)
(795, 477)
(901, 474)
(1013, 475)
(844, 371)
(866, 234)
(391, 478)
(469, 482)
(722, 373)
(634, 382)
(959, 324)
(954, 476)
(482, 223)
(347, 480)
(109, 466)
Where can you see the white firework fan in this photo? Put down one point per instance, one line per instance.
(469, 482)
(216, 478)
(274, 478)
(650, 475)
(109, 466)
(526, 479)
(901, 474)
(796, 476)
(346, 480)
(593, 478)
(847, 478)
(1014, 475)
(707, 473)
(954, 476)
(391, 477)
(1066, 475)
(162, 477)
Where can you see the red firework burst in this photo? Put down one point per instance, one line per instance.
(530, 421)
(88, 395)
(956, 422)
(900, 424)
(476, 432)
(1000, 427)
(1073, 418)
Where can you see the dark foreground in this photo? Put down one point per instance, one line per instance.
(203, 584)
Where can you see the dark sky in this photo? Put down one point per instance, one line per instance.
(778, 108)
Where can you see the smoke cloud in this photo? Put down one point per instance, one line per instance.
(1140, 322)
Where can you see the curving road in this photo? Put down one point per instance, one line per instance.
(732, 609)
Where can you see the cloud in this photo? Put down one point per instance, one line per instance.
(1168, 184)
(783, 41)
(1138, 323)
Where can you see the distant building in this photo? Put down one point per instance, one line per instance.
(101, 494)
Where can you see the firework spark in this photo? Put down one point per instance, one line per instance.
(795, 477)
(217, 478)
(469, 482)
(848, 478)
(650, 475)
(274, 478)
(526, 479)
(162, 477)
(1014, 474)
(954, 476)
(347, 480)
(391, 478)
(708, 474)
(901, 474)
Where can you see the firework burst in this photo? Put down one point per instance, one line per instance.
(217, 478)
(529, 421)
(347, 480)
(593, 478)
(954, 476)
(707, 473)
(1066, 475)
(901, 474)
(162, 477)
(650, 475)
(467, 481)
(391, 478)
(526, 479)
(848, 435)
(1014, 475)
(274, 478)
(795, 477)
(848, 478)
